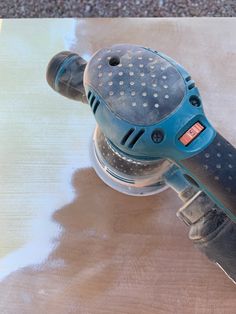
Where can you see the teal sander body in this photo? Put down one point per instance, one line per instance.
(150, 116)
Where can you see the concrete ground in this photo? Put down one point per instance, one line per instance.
(112, 8)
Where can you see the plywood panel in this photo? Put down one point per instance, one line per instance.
(69, 243)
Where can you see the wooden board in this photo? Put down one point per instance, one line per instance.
(69, 243)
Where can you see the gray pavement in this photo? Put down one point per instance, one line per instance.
(106, 8)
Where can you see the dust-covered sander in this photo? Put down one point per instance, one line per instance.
(152, 133)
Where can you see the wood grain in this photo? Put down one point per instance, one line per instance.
(69, 243)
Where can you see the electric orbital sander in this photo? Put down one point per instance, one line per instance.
(152, 133)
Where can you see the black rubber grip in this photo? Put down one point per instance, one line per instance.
(215, 236)
(215, 169)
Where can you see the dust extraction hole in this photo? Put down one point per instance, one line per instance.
(114, 61)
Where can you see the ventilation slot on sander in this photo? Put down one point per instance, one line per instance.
(134, 140)
(93, 101)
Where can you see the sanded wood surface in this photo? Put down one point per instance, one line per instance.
(69, 243)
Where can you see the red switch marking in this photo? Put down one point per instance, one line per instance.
(192, 133)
